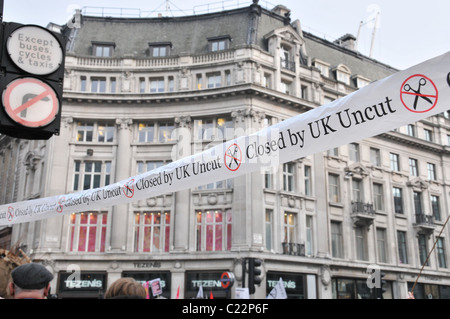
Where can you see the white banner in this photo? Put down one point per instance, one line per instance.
(403, 98)
(278, 292)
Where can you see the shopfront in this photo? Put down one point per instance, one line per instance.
(210, 283)
(297, 286)
(142, 277)
(429, 291)
(83, 285)
(355, 288)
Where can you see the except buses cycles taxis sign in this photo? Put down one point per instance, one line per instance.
(33, 60)
(34, 50)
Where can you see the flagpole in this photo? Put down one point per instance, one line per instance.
(426, 261)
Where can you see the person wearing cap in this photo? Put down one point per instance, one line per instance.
(30, 281)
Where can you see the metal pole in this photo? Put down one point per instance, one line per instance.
(1, 10)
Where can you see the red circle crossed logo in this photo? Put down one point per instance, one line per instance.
(128, 188)
(419, 94)
(233, 157)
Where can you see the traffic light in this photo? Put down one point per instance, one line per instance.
(382, 289)
(31, 81)
(254, 273)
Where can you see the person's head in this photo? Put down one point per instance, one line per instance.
(30, 281)
(126, 288)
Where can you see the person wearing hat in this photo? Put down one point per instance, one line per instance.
(30, 281)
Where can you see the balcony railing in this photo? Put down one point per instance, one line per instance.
(293, 249)
(425, 224)
(287, 64)
(363, 214)
(424, 219)
(363, 208)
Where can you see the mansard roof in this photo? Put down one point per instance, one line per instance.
(187, 34)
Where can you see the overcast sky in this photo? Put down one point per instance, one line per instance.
(408, 32)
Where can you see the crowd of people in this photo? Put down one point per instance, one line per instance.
(32, 281)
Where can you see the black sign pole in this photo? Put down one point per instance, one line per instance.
(1, 11)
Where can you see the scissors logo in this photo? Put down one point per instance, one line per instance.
(233, 157)
(419, 94)
(128, 188)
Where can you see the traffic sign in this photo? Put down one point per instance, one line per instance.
(31, 85)
(35, 50)
(30, 102)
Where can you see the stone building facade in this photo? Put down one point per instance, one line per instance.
(140, 93)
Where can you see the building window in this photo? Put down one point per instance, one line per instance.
(214, 80)
(354, 152)
(112, 85)
(323, 68)
(435, 207)
(431, 168)
(288, 177)
(267, 82)
(98, 85)
(85, 132)
(413, 167)
(156, 85)
(93, 174)
(334, 188)
(333, 152)
(357, 188)
(88, 231)
(290, 228)
(157, 50)
(411, 130)
(343, 74)
(423, 249)
(309, 236)
(286, 87)
(155, 132)
(213, 229)
(348, 288)
(428, 135)
(214, 129)
(268, 177)
(381, 245)
(304, 92)
(104, 49)
(402, 248)
(269, 229)
(105, 133)
(83, 83)
(286, 61)
(441, 253)
(308, 180)
(171, 84)
(398, 200)
(151, 231)
(395, 162)
(219, 43)
(375, 157)
(418, 203)
(148, 166)
(361, 243)
(88, 132)
(142, 85)
(337, 244)
(223, 184)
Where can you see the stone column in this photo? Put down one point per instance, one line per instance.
(119, 214)
(323, 248)
(182, 211)
(248, 206)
